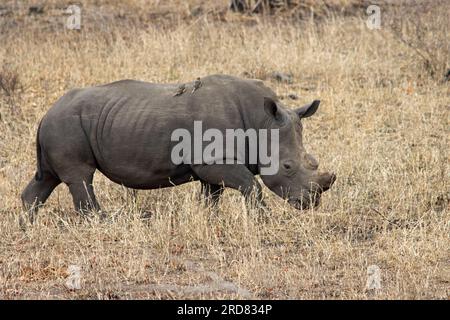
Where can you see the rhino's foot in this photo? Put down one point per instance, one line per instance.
(83, 196)
(211, 193)
(36, 193)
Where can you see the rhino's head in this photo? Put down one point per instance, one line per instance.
(297, 178)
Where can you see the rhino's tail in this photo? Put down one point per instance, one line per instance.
(38, 175)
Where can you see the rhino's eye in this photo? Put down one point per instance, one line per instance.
(287, 166)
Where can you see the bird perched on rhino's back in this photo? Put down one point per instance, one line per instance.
(181, 89)
(197, 85)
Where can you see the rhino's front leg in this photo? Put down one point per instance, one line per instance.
(234, 176)
(211, 193)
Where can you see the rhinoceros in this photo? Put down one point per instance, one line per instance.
(124, 129)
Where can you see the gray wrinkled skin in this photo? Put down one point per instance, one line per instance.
(124, 128)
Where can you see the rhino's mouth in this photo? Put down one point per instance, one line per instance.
(307, 201)
(310, 198)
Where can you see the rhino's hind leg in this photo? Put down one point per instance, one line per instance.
(83, 195)
(37, 192)
(72, 159)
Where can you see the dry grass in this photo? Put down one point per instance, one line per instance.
(383, 127)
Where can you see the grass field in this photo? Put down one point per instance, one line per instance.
(383, 127)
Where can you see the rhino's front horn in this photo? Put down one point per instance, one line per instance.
(326, 180)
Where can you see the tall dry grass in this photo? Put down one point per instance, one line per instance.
(383, 127)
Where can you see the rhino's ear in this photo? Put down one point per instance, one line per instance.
(272, 109)
(308, 110)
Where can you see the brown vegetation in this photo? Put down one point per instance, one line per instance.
(383, 127)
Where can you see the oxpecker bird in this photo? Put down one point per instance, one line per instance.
(197, 85)
(181, 89)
